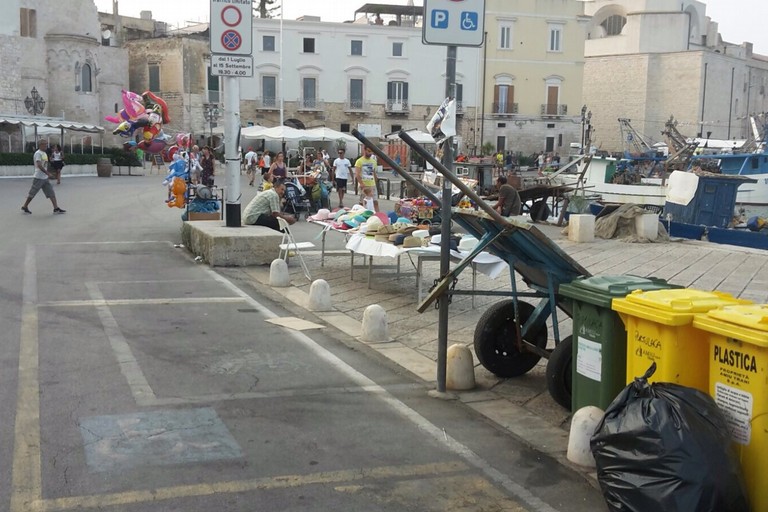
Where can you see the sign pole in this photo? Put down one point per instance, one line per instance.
(231, 41)
(231, 150)
(445, 246)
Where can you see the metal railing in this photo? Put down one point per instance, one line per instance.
(398, 106)
(357, 106)
(500, 109)
(310, 104)
(267, 103)
(554, 109)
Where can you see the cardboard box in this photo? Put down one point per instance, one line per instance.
(204, 216)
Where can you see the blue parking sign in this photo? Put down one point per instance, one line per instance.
(453, 22)
(440, 19)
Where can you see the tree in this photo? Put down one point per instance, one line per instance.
(266, 8)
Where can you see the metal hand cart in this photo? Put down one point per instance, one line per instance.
(511, 336)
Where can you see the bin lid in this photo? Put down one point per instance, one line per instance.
(674, 306)
(684, 300)
(601, 290)
(754, 316)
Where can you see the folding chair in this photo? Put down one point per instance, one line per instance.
(295, 202)
(289, 244)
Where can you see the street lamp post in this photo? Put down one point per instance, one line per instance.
(211, 113)
(35, 104)
(583, 124)
(588, 132)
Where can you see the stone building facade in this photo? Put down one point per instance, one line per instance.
(176, 69)
(401, 81)
(59, 53)
(649, 60)
(532, 85)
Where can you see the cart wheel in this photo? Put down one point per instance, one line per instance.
(495, 342)
(559, 378)
(540, 211)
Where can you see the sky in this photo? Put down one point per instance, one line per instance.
(739, 20)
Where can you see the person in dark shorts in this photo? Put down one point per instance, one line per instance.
(57, 162)
(40, 179)
(265, 162)
(509, 200)
(341, 174)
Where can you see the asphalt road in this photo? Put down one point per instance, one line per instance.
(134, 379)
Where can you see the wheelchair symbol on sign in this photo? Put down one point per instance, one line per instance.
(468, 21)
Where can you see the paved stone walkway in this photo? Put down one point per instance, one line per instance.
(692, 264)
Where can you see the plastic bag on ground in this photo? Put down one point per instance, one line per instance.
(666, 448)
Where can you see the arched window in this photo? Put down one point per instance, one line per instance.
(613, 25)
(85, 79)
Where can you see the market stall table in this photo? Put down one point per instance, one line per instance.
(486, 263)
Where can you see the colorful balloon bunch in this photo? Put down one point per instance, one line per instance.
(145, 113)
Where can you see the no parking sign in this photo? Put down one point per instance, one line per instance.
(231, 27)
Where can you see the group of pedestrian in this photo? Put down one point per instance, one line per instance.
(267, 206)
(544, 160)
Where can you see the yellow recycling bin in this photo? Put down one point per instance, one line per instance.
(738, 381)
(660, 328)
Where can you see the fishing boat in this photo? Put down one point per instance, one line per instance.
(750, 160)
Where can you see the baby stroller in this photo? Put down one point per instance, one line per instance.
(296, 201)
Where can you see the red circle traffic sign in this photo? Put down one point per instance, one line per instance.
(231, 40)
(230, 13)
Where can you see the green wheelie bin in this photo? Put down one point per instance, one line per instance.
(599, 353)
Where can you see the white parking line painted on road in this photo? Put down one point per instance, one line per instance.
(129, 366)
(26, 483)
(438, 434)
(138, 302)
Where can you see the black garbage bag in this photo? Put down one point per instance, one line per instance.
(666, 448)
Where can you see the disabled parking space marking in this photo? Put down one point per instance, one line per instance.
(154, 438)
(129, 366)
(26, 485)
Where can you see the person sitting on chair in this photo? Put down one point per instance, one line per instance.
(264, 209)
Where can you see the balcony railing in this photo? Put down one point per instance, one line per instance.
(357, 106)
(505, 109)
(553, 109)
(267, 103)
(397, 107)
(310, 104)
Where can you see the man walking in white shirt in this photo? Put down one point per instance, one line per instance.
(250, 165)
(40, 179)
(340, 175)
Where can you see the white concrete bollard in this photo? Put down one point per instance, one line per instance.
(581, 228)
(278, 274)
(647, 226)
(375, 325)
(460, 368)
(320, 296)
(583, 426)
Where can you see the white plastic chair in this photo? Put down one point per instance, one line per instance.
(289, 244)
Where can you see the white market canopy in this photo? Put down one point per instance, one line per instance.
(417, 135)
(323, 133)
(289, 134)
(49, 122)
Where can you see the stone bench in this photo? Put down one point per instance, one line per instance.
(222, 246)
